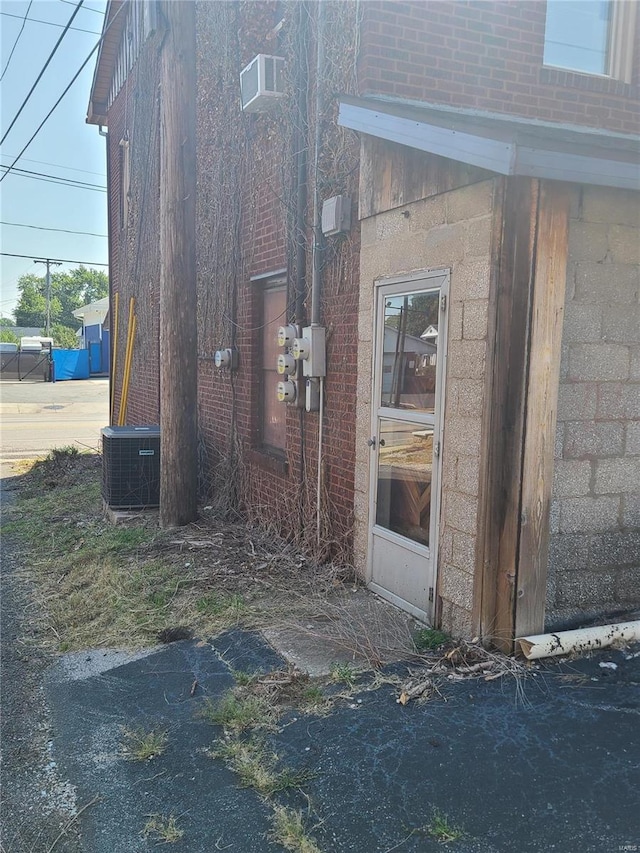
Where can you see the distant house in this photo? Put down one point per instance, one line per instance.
(93, 335)
(478, 457)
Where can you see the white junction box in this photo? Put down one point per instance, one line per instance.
(310, 348)
(262, 83)
(336, 215)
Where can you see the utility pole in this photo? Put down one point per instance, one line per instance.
(178, 329)
(49, 264)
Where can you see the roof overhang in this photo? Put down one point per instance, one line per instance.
(112, 28)
(506, 145)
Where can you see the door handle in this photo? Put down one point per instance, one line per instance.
(371, 442)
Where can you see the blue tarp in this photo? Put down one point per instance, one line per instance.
(70, 364)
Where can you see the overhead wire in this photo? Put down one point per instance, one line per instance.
(60, 260)
(56, 166)
(58, 179)
(44, 68)
(15, 44)
(43, 228)
(69, 85)
(50, 23)
(87, 8)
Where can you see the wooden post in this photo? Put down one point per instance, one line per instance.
(178, 331)
(505, 412)
(521, 405)
(542, 406)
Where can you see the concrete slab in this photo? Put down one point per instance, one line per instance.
(353, 627)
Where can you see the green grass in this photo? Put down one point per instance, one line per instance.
(217, 604)
(257, 767)
(344, 673)
(289, 831)
(95, 582)
(429, 639)
(141, 745)
(162, 830)
(237, 714)
(442, 829)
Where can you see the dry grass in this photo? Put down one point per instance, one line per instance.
(162, 830)
(123, 586)
(289, 830)
(258, 767)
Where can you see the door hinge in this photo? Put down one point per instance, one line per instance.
(430, 593)
(443, 302)
(436, 449)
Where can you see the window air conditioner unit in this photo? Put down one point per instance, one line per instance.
(262, 83)
(131, 466)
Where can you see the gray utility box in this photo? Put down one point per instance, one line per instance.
(131, 466)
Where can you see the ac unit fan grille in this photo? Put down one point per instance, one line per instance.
(131, 467)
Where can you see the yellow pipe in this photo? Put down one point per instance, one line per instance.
(114, 354)
(127, 366)
(126, 397)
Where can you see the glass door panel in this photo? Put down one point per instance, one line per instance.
(409, 351)
(405, 462)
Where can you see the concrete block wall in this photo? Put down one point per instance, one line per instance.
(594, 555)
(451, 231)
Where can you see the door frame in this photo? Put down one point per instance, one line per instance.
(405, 283)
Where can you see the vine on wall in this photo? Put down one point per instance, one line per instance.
(239, 157)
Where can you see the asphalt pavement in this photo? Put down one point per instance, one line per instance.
(548, 764)
(38, 416)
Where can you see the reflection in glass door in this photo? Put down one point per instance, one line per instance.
(406, 429)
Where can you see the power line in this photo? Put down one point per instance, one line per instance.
(69, 85)
(54, 179)
(56, 166)
(42, 228)
(87, 8)
(15, 44)
(60, 260)
(46, 65)
(51, 24)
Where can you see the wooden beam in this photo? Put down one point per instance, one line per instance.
(542, 406)
(178, 331)
(505, 396)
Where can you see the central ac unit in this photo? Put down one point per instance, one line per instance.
(131, 466)
(262, 83)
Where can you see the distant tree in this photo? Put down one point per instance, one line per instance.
(6, 321)
(69, 290)
(7, 337)
(64, 337)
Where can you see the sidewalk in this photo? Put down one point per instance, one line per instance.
(551, 763)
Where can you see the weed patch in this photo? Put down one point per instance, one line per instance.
(344, 673)
(237, 714)
(429, 639)
(162, 830)
(289, 830)
(257, 767)
(442, 829)
(141, 745)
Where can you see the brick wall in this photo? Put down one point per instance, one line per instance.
(134, 263)
(452, 231)
(247, 161)
(594, 560)
(487, 56)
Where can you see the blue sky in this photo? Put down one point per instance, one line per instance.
(66, 146)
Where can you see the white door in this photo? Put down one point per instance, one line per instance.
(407, 405)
